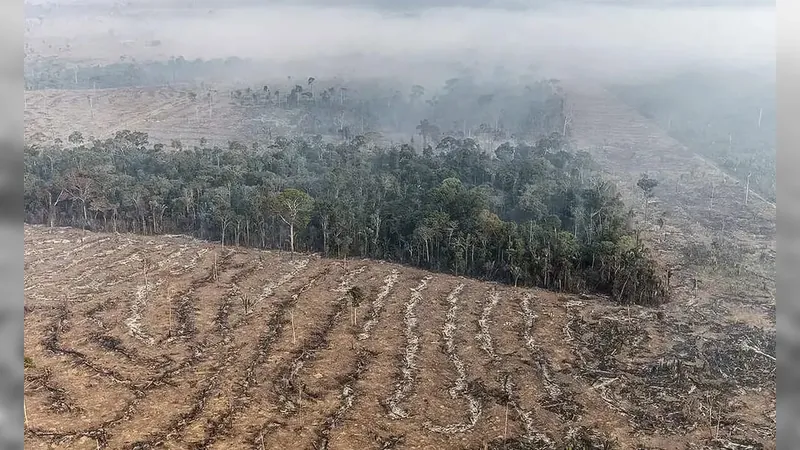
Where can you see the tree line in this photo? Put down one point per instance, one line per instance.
(533, 215)
(464, 107)
(490, 111)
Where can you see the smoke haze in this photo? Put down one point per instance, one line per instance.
(605, 42)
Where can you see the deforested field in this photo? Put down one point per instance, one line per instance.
(135, 342)
(165, 113)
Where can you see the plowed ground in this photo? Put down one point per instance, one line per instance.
(145, 342)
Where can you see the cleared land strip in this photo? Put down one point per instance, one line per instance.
(698, 203)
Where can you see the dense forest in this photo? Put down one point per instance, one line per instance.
(728, 117)
(529, 215)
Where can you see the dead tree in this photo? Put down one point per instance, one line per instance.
(711, 203)
(356, 297)
(567, 121)
(647, 184)
(747, 188)
(169, 310)
(669, 278)
(214, 268)
(145, 266)
(294, 334)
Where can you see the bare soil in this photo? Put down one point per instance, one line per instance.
(164, 113)
(720, 244)
(123, 354)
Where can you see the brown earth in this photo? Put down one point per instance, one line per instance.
(145, 342)
(702, 208)
(164, 113)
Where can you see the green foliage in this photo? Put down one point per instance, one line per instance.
(293, 206)
(538, 216)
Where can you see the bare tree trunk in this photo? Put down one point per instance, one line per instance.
(161, 217)
(291, 237)
(747, 188)
(711, 204)
(294, 335)
(52, 208)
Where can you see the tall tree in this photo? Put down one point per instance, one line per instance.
(293, 206)
(647, 184)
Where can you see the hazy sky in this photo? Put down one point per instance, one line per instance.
(603, 40)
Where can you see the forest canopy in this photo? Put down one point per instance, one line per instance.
(533, 215)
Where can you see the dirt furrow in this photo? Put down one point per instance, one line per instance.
(365, 424)
(532, 434)
(289, 390)
(508, 379)
(220, 425)
(378, 304)
(234, 394)
(329, 381)
(459, 388)
(405, 385)
(363, 360)
(484, 337)
(558, 399)
(52, 343)
(200, 353)
(214, 363)
(58, 399)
